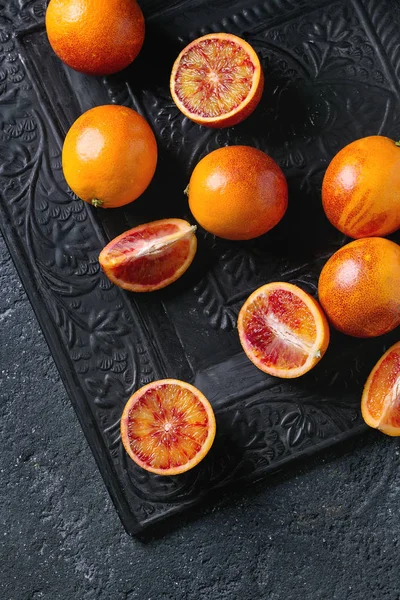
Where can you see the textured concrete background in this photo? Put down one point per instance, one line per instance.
(326, 529)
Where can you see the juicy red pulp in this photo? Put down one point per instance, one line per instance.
(131, 241)
(151, 269)
(167, 427)
(384, 383)
(280, 329)
(214, 77)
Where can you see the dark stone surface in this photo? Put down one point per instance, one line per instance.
(326, 529)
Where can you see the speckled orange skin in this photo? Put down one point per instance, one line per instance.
(109, 155)
(361, 188)
(359, 287)
(238, 193)
(96, 37)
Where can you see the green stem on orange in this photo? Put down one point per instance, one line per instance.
(97, 203)
(397, 143)
(186, 190)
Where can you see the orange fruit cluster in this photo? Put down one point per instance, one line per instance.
(238, 193)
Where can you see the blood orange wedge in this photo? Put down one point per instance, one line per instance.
(168, 427)
(217, 80)
(283, 330)
(150, 256)
(380, 404)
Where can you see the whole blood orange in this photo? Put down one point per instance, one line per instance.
(283, 330)
(217, 80)
(380, 404)
(168, 427)
(150, 256)
(361, 188)
(359, 287)
(109, 156)
(238, 192)
(96, 37)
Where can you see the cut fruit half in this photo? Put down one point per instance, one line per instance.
(168, 427)
(283, 330)
(150, 256)
(380, 404)
(217, 80)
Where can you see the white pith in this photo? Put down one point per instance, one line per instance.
(283, 332)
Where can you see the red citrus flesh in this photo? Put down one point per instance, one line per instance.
(168, 427)
(283, 330)
(380, 404)
(217, 80)
(150, 256)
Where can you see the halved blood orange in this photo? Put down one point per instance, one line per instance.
(168, 427)
(150, 256)
(380, 404)
(217, 80)
(283, 330)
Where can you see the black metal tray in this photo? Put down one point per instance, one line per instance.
(332, 75)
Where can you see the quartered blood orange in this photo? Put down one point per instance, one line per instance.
(217, 80)
(380, 404)
(168, 427)
(283, 330)
(150, 256)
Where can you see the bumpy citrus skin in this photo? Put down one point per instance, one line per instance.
(380, 404)
(238, 193)
(109, 156)
(361, 188)
(95, 37)
(214, 56)
(359, 287)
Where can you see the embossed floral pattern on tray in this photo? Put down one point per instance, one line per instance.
(339, 63)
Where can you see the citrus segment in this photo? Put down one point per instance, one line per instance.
(283, 330)
(217, 80)
(168, 427)
(150, 256)
(380, 403)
